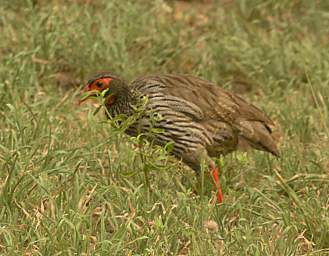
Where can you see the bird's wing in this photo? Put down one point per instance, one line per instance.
(207, 101)
(214, 101)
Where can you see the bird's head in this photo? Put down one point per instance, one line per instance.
(110, 87)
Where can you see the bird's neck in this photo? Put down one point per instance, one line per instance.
(122, 104)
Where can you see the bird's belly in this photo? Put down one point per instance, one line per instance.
(185, 135)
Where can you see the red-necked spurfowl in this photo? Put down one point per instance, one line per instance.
(200, 118)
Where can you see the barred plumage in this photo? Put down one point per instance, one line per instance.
(202, 119)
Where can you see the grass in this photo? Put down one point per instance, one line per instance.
(71, 185)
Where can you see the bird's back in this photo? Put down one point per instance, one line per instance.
(197, 112)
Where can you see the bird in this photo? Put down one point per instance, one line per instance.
(202, 119)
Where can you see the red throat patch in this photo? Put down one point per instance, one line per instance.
(110, 100)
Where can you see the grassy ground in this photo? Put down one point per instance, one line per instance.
(72, 186)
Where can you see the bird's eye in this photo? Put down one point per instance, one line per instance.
(99, 84)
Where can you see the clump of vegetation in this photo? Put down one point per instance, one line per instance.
(72, 184)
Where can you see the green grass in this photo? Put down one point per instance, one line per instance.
(71, 185)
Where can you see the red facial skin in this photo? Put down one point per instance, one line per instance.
(99, 84)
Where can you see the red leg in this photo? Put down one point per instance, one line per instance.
(215, 175)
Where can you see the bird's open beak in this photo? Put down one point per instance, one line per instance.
(93, 94)
(89, 95)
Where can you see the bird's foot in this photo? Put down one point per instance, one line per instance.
(215, 176)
